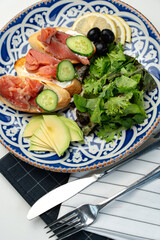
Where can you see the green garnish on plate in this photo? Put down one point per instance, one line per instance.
(113, 94)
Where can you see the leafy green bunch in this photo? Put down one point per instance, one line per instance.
(113, 93)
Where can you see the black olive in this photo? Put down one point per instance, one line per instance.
(101, 48)
(94, 34)
(107, 36)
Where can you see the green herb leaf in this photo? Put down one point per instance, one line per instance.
(117, 105)
(108, 132)
(125, 84)
(80, 102)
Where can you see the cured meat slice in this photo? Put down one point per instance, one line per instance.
(55, 44)
(41, 63)
(47, 34)
(62, 37)
(19, 92)
(48, 71)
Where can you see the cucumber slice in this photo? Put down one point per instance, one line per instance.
(65, 71)
(81, 45)
(47, 100)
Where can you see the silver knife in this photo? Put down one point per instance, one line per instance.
(68, 190)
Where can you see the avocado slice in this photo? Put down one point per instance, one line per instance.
(35, 140)
(45, 132)
(33, 124)
(35, 147)
(75, 136)
(75, 131)
(57, 133)
(38, 133)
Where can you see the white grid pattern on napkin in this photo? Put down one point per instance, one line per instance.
(132, 216)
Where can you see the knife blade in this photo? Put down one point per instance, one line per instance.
(59, 195)
(68, 190)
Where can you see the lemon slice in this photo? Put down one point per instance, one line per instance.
(90, 20)
(121, 32)
(127, 28)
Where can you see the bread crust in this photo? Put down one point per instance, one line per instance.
(64, 98)
(73, 87)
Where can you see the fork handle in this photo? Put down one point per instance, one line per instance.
(150, 176)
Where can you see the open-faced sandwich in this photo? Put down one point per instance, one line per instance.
(32, 95)
(53, 41)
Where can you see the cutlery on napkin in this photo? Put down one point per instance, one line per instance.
(134, 216)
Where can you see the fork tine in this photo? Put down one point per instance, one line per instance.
(76, 228)
(63, 218)
(68, 227)
(62, 224)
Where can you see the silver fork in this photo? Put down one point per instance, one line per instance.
(85, 215)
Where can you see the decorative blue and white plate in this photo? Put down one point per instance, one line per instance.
(95, 153)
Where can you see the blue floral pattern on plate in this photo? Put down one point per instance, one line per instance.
(94, 153)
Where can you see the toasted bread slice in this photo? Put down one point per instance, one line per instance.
(72, 87)
(64, 97)
(36, 44)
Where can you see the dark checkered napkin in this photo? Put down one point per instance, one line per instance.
(32, 183)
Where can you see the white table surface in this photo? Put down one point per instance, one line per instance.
(13, 222)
